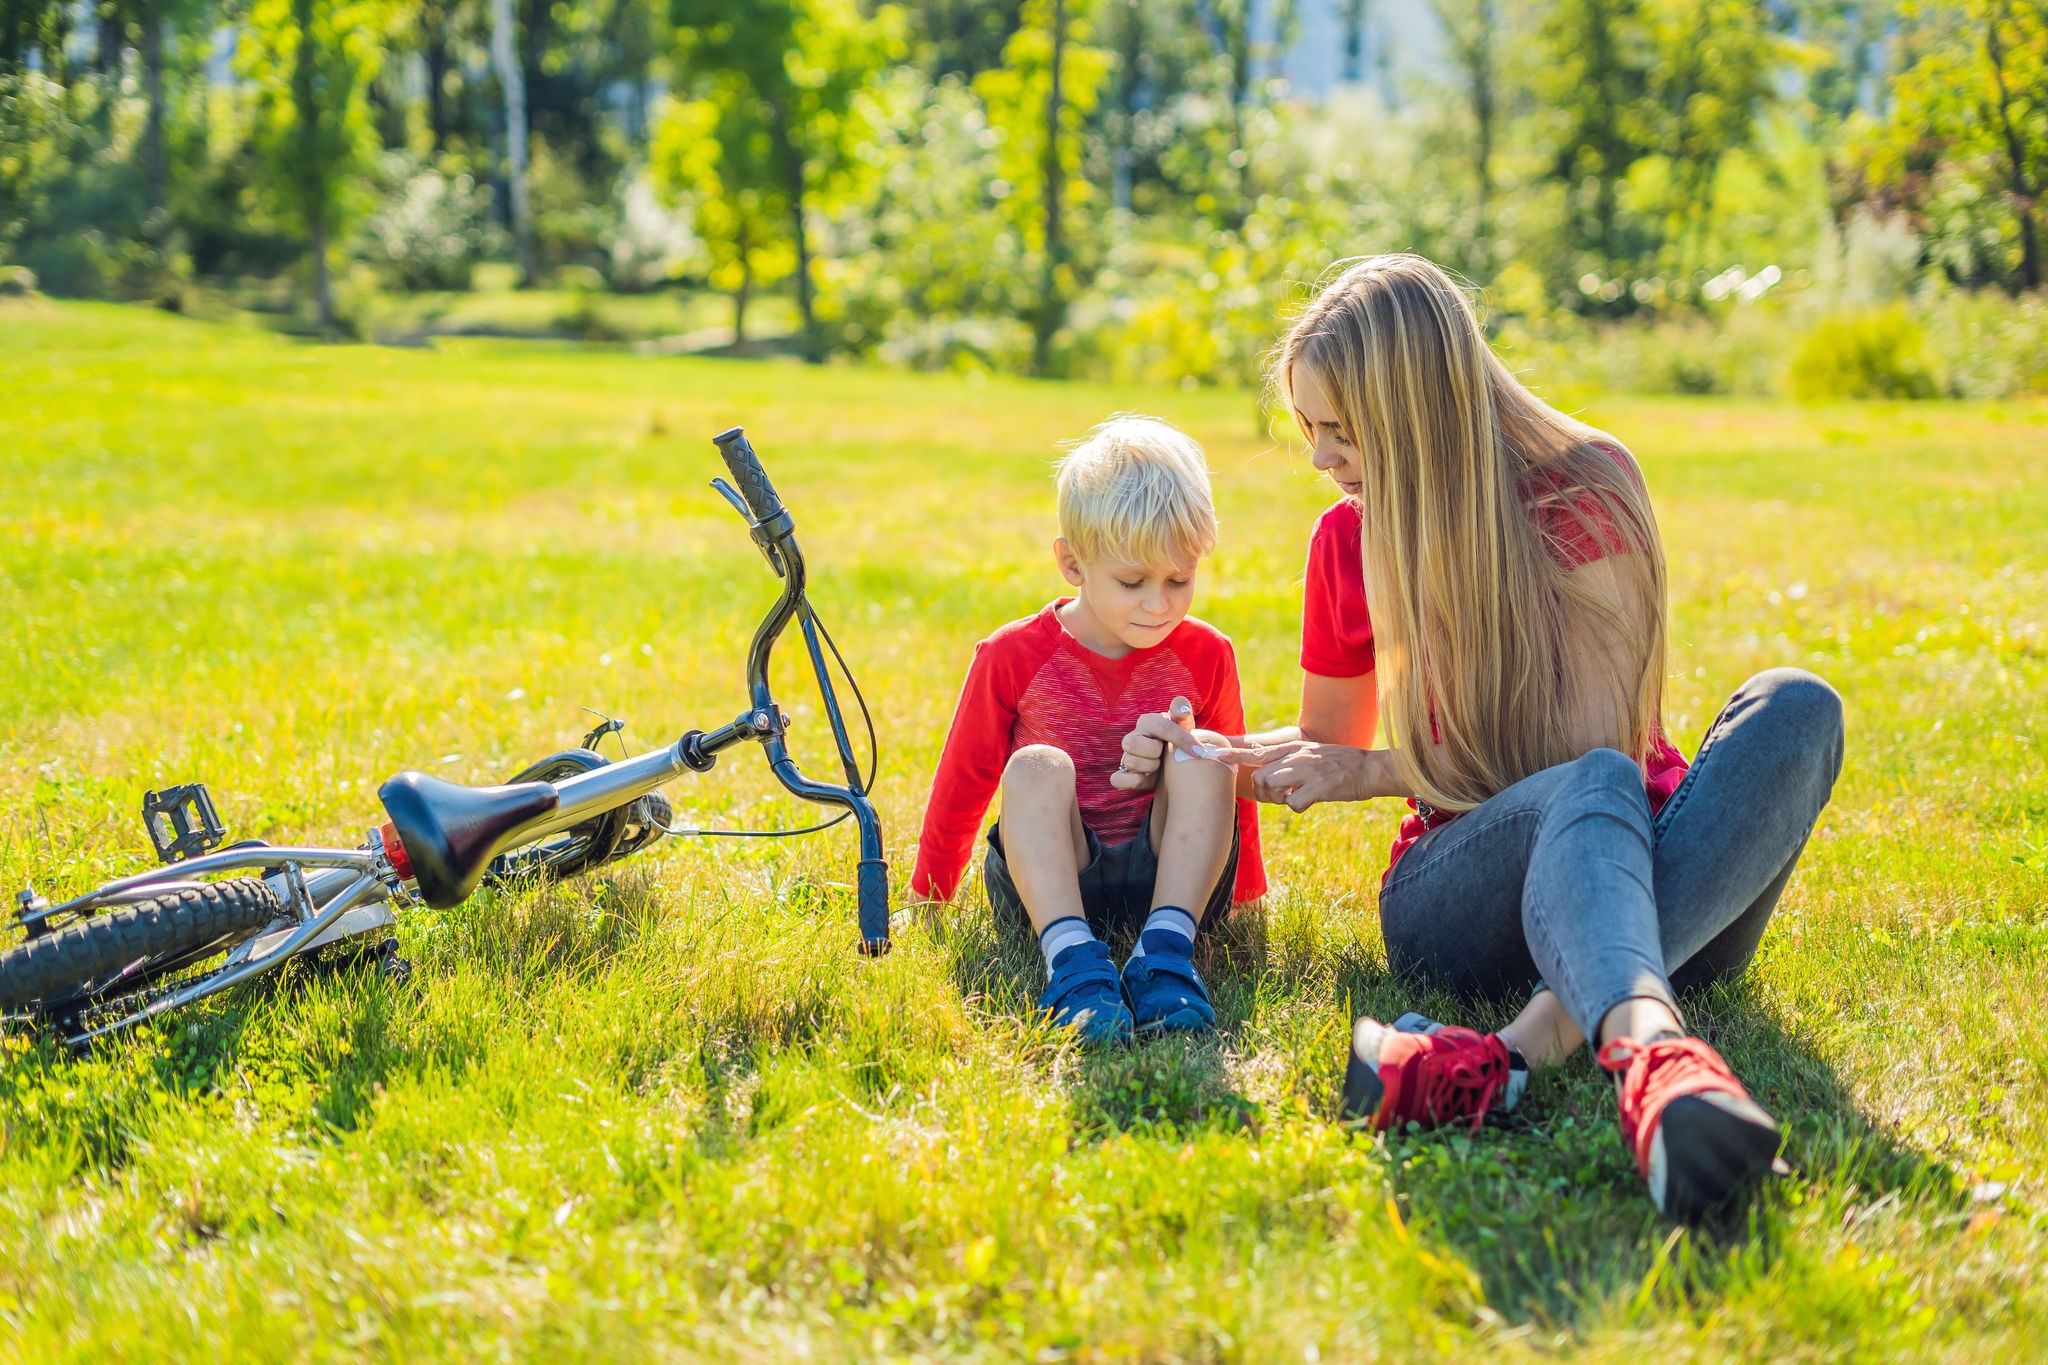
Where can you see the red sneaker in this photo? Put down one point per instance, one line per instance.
(1396, 1077)
(1696, 1134)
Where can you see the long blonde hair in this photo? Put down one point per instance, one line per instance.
(1474, 490)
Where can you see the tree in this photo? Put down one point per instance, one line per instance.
(1675, 84)
(1711, 72)
(1472, 31)
(150, 22)
(1596, 78)
(1041, 98)
(312, 62)
(512, 79)
(1354, 14)
(716, 151)
(1971, 104)
(962, 37)
(774, 87)
(38, 28)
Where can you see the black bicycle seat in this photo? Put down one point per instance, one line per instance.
(451, 832)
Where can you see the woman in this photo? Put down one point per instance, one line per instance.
(1495, 568)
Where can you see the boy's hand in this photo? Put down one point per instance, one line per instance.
(1146, 745)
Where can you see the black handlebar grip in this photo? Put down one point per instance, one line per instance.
(747, 473)
(873, 891)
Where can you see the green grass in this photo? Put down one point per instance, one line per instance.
(670, 1114)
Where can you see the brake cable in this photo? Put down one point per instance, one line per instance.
(874, 756)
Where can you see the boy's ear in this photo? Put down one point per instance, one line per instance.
(1069, 562)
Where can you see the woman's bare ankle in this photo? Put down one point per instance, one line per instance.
(1543, 1033)
(1643, 1019)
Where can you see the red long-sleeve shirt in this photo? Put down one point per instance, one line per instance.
(1033, 683)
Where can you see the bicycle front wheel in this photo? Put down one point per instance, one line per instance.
(128, 948)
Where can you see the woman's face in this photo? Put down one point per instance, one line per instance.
(1329, 451)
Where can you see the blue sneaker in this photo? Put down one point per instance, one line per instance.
(1083, 995)
(1166, 994)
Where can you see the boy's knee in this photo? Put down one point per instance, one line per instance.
(1197, 779)
(1039, 767)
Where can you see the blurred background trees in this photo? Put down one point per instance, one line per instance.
(1700, 195)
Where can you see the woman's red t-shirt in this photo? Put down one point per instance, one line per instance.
(1336, 627)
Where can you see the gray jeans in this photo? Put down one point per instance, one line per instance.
(1565, 879)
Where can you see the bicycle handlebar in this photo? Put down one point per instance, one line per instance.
(775, 532)
(748, 474)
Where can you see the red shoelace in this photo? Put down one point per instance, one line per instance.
(1655, 1074)
(1456, 1073)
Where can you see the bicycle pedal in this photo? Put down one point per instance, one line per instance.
(182, 822)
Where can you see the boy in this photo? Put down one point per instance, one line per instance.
(1083, 847)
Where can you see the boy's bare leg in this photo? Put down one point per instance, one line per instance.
(1192, 815)
(1045, 845)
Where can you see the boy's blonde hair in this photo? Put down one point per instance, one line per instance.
(1136, 490)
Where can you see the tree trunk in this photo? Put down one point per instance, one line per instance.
(810, 343)
(2023, 192)
(1471, 36)
(153, 133)
(310, 174)
(323, 289)
(1354, 41)
(512, 77)
(1130, 57)
(1237, 39)
(437, 77)
(739, 312)
(1051, 313)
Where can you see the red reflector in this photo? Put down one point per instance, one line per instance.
(394, 853)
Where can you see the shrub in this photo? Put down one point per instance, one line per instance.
(16, 281)
(1991, 345)
(432, 229)
(1878, 354)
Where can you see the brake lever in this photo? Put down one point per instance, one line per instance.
(767, 546)
(731, 495)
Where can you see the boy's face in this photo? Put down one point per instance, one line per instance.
(1138, 605)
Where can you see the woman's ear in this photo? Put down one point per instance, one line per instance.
(1069, 562)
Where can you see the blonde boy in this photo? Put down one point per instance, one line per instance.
(1082, 847)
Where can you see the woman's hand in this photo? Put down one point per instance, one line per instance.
(1301, 773)
(1157, 731)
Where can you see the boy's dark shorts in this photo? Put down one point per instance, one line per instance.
(1116, 886)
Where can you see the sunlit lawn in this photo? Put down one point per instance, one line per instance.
(670, 1114)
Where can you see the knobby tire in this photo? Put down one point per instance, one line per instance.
(177, 924)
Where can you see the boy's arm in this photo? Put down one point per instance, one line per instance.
(970, 770)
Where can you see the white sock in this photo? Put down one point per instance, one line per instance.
(1167, 919)
(1061, 935)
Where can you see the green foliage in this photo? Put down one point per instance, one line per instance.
(1653, 97)
(770, 124)
(1968, 126)
(1881, 354)
(70, 205)
(312, 62)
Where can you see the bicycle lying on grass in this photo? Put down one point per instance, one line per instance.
(143, 945)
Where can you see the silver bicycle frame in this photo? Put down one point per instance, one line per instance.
(330, 894)
(322, 888)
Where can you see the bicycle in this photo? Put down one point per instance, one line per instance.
(133, 948)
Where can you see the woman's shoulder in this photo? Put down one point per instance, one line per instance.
(1340, 527)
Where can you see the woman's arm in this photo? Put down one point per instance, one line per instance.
(1342, 711)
